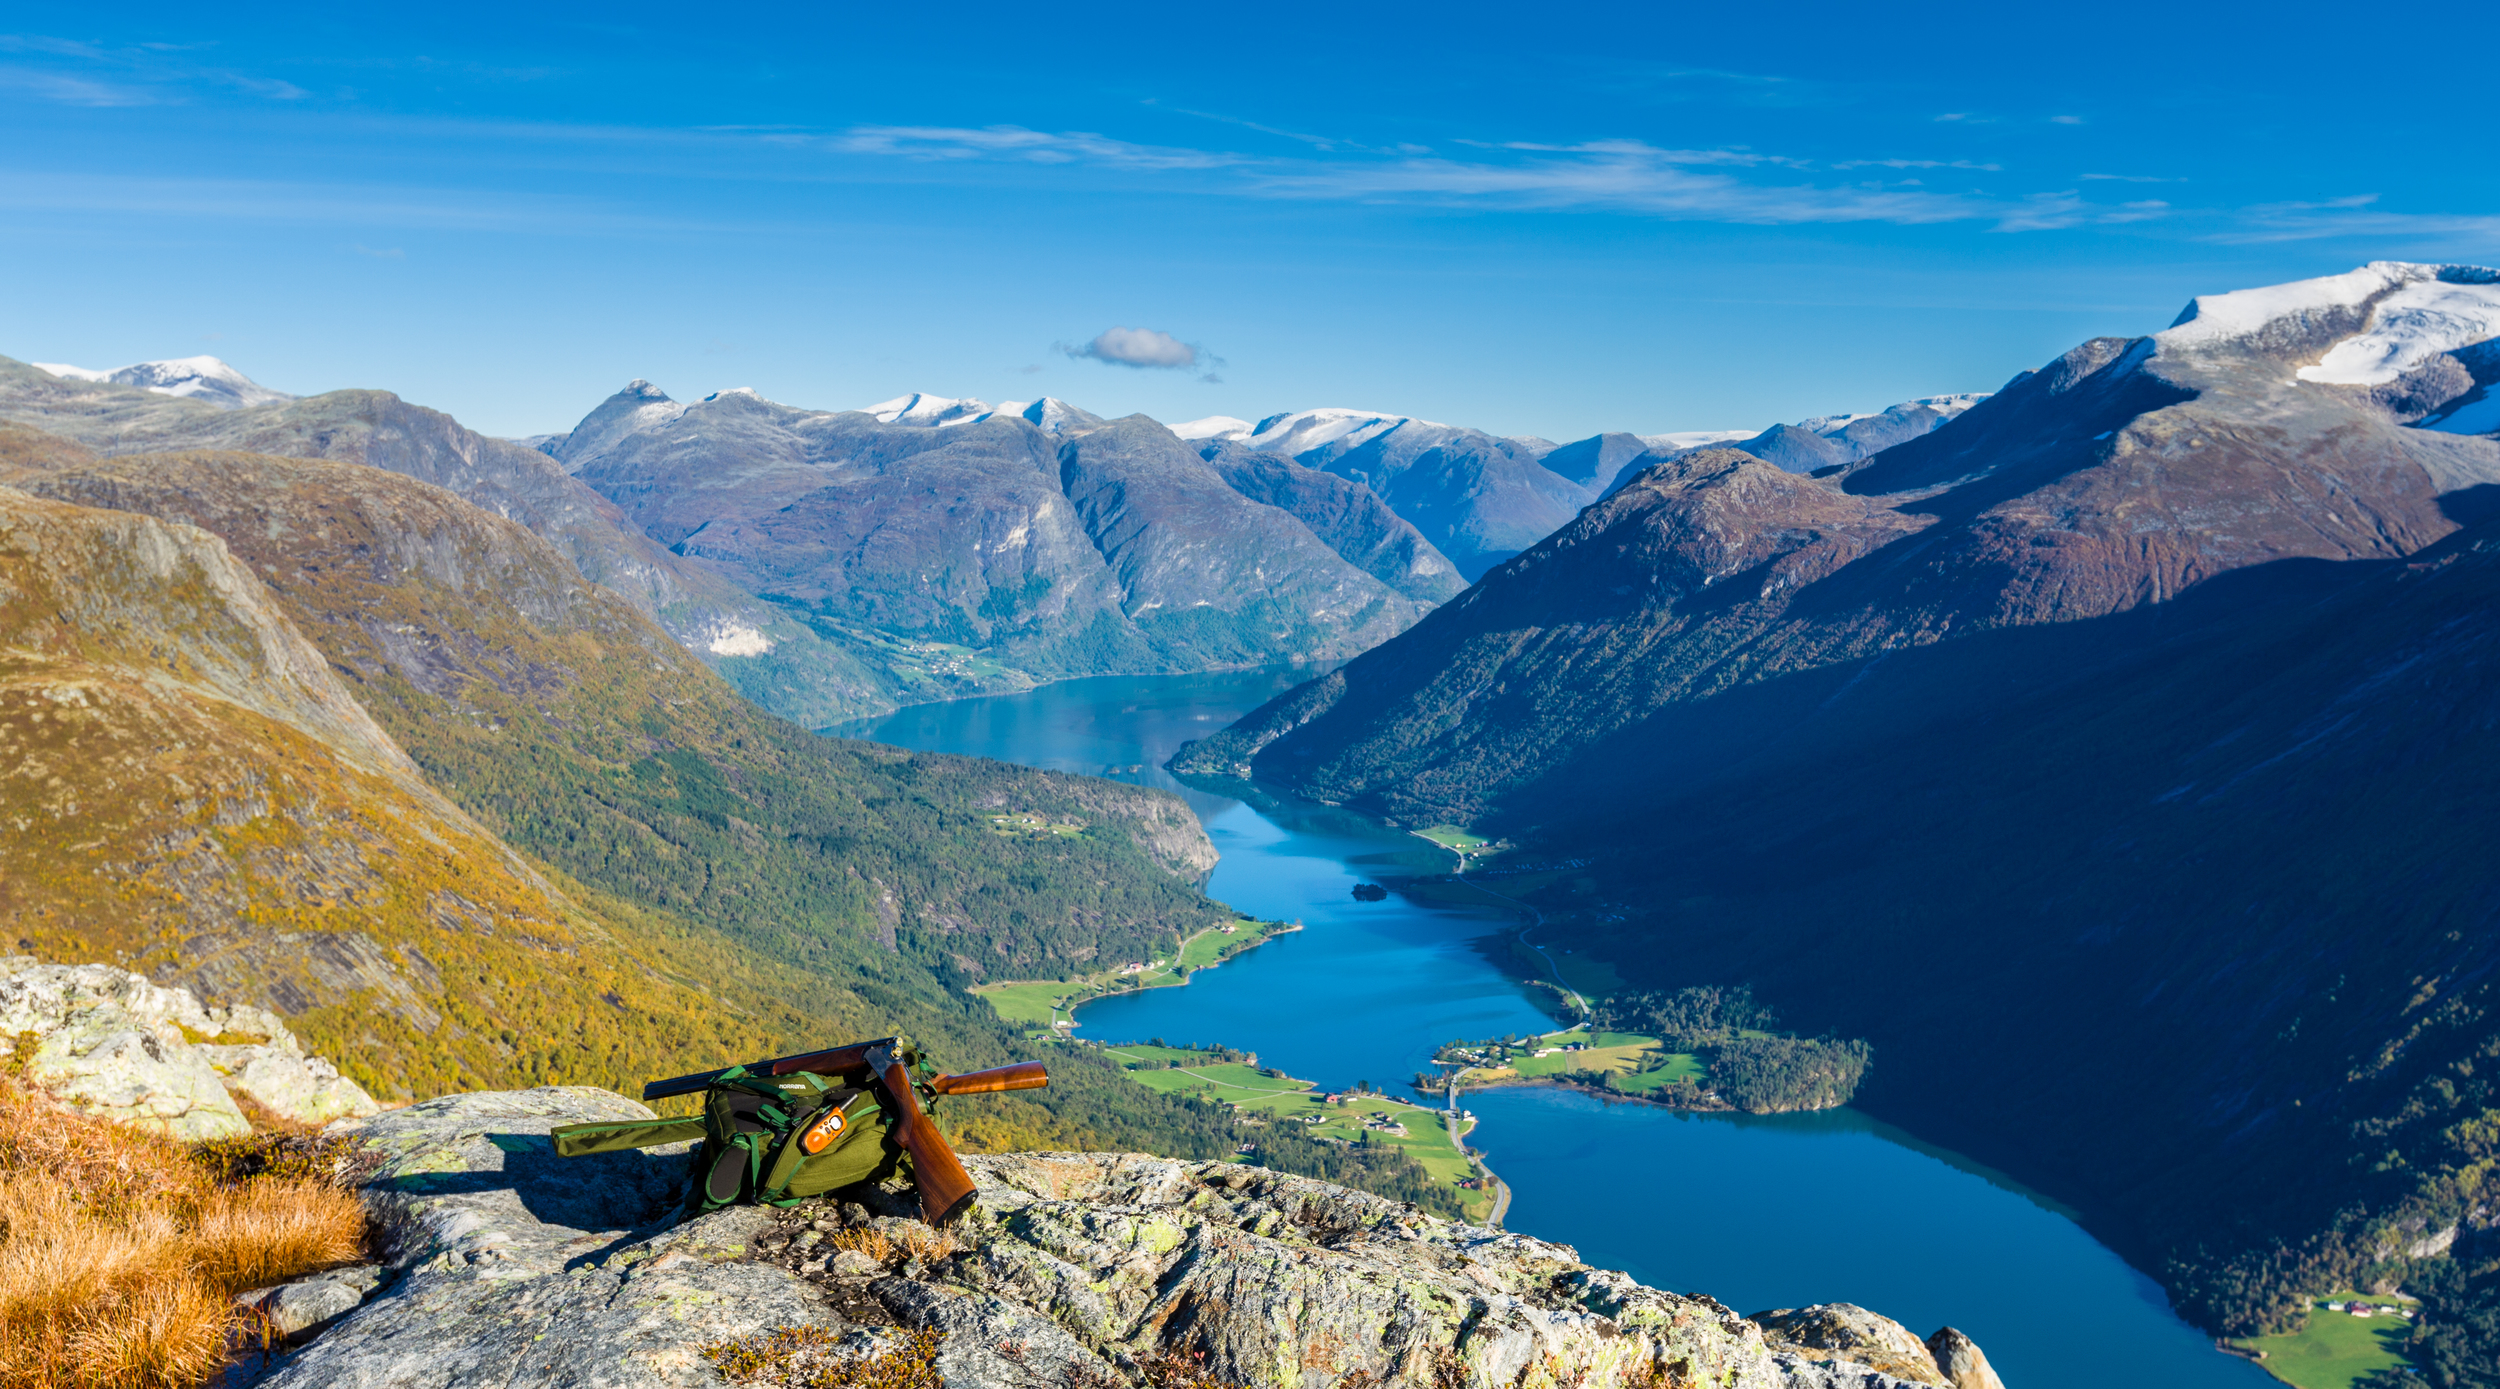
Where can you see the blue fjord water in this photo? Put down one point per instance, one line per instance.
(1777, 1211)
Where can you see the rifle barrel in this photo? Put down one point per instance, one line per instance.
(830, 1061)
(1023, 1075)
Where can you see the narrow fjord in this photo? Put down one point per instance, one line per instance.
(1759, 1211)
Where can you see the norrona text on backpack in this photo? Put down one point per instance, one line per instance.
(791, 1127)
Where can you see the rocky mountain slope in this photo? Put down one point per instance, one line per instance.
(2130, 710)
(967, 550)
(1478, 499)
(190, 790)
(509, 1266)
(774, 659)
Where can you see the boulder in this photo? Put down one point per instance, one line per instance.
(109, 1042)
(511, 1266)
(1964, 1365)
(1842, 1331)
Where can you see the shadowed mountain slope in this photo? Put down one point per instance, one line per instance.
(2112, 757)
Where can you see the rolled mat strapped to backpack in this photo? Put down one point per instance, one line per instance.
(769, 1140)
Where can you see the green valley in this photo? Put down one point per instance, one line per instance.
(1292, 1111)
(1053, 1002)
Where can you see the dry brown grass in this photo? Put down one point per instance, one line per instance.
(914, 1242)
(121, 1251)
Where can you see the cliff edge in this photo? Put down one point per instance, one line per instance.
(505, 1265)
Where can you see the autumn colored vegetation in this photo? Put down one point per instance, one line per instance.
(121, 1251)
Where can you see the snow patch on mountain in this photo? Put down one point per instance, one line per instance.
(1214, 427)
(197, 378)
(1300, 431)
(934, 411)
(733, 638)
(2408, 328)
(2417, 312)
(1685, 440)
(1053, 415)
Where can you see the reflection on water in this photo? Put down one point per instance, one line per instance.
(1759, 1212)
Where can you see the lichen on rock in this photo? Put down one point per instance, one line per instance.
(108, 1042)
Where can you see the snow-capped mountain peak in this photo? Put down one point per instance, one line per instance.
(198, 378)
(2417, 312)
(1300, 431)
(1053, 415)
(936, 411)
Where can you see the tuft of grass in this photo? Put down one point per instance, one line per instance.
(121, 1250)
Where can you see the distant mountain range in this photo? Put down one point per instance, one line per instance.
(800, 553)
(2116, 754)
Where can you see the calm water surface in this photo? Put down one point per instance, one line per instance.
(1758, 1212)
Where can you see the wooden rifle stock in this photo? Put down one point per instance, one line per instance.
(1023, 1075)
(945, 1188)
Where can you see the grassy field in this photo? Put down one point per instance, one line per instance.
(1288, 1100)
(1471, 848)
(1609, 1053)
(2336, 1349)
(1042, 1002)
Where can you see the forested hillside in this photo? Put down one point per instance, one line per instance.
(718, 884)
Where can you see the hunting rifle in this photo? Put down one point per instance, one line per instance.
(885, 1064)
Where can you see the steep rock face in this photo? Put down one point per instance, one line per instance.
(110, 1043)
(775, 660)
(1074, 549)
(1360, 527)
(1209, 576)
(1478, 499)
(511, 1266)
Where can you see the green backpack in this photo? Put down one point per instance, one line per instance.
(772, 1140)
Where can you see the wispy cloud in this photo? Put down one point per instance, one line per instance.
(1726, 184)
(1919, 164)
(2129, 178)
(2357, 216)
(76, 73)
(68, 89)
(1014, 142)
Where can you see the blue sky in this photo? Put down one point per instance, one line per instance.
(1548, 221)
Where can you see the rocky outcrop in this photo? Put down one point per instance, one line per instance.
(1963, 1364)
(108, 1042)
(509, 1266)
(1846, 1333)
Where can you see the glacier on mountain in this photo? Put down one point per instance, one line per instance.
(2417, 312)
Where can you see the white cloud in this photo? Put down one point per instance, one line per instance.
(1140, 347)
